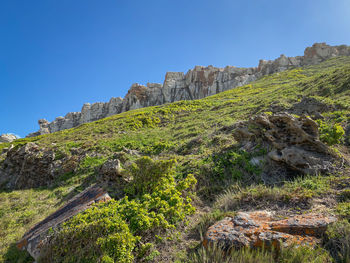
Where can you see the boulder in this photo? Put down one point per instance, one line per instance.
(36, 237)
(292, 143)
(31, 166)
(7, 137)
(261, 229)
(26, 166)
(110, 169)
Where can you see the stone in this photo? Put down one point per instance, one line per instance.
(261, 229)
(110, 169)
(197, 83)
(310, 106)
(293, 144)
(36, 238)
(31, 166)
(7, 137)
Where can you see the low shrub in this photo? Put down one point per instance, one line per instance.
(337, 241)
(330, 133)
(113, 231)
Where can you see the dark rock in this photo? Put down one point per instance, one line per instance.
(30, 166)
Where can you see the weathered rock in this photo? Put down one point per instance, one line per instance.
(293, 143)
(26, 166)
(110, 170)
(37, 237)
(197, 83)
(260, 229)
(8, 137)
(310, 106)
(31, 166)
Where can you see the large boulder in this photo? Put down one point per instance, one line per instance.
(39, 235)
(292, 144)
(8, 137)
(261, 229)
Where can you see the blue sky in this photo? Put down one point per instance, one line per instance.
(55, 55)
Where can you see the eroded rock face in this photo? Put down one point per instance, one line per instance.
(35, 239)
(292, 142)
(197, 83)
(260, 228)
(7, 137)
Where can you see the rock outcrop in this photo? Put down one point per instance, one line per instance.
(197, 83)
(260, 229)
(292, 144)
(30, 166)
(7, 137)
(35, 239)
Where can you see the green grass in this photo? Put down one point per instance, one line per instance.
(198, 134)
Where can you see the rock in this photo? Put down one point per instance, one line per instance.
(30, 166)
(310, 106)
(26, 166)
(197, 83)
(7, 137)
(261, 229)
(110, 169)
(36, 237)
(293, 144)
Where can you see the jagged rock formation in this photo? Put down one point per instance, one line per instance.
(197, 83)
(261, 229)
(293, 145)
(7, 137)
(34, 240)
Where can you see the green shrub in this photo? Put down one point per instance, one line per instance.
(92, 236)
(109, 232)
(343, 210)
(330, 133)
(337, 241)
(234, 164)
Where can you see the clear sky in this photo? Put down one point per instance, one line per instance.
(55, 55)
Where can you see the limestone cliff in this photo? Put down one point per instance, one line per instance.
(197, 83)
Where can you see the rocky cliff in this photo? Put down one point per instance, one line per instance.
(197, 83)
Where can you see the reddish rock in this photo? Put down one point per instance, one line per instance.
(261, 229)
(36, 237)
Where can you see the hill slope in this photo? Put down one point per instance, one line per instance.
(198, 134)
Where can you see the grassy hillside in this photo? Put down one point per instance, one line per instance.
(198, 135)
